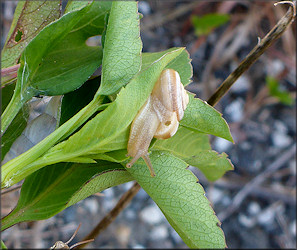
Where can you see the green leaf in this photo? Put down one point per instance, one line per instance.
(17, 125)
(50, 68)
(107, 131)
(114, 121)
(23, 161)
(74, 101)
(66, 69)
(189, 145)
(113, 156)
(211, 164)
(52, 189)
(185, 143)
(182, 200)
(108, 178)
(204, 118)
(182, 63)
(122, 50)
(104, 31)
(3, 245)
(29, 19)
(274, 90)
(14, 131)
(73, 5)
(205, 24)
(194, 148)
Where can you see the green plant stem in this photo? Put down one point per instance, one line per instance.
(3, 245)
(16, 103)
(19, 167)
(257, 51)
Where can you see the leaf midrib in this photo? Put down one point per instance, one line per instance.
(48, 190)
(66, 71)
(90, 21)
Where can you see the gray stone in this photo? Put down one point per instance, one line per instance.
(151, 215)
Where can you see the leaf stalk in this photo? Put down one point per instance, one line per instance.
(19, 167)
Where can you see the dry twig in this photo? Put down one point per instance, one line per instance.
(268, 193)
(110, 217)
(254, 183)
(258, 50)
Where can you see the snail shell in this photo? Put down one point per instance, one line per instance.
(159, 117)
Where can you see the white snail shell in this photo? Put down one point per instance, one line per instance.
(159, 117)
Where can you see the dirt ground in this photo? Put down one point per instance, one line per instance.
(256, 202)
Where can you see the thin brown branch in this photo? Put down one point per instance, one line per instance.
(254, 183)
(267, 193)
(258, 50)
(81, 243)
(234, 183)
(74, 234)
(110, 217)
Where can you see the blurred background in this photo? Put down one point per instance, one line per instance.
(256, 202)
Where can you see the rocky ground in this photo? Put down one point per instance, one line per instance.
(256, 202)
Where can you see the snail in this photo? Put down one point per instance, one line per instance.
(159, 116)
